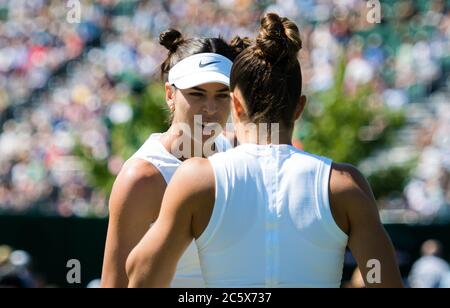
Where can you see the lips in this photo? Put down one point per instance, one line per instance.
(208, 124)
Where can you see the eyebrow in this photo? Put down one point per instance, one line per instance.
(203, 90)
(226, 89)
(199, 89)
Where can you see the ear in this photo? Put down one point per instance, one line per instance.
(170, 95)
(237, 107)
(300, 107)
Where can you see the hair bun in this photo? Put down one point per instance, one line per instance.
(171, 39)
(278, 39)
(239, 44)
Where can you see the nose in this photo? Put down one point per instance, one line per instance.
(210, 106)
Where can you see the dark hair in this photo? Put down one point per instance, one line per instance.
(268, 73)
(180, 48)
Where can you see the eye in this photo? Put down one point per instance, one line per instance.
(223, 96)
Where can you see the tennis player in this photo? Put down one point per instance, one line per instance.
(198, 75)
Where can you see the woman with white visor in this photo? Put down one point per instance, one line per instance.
(197, 93)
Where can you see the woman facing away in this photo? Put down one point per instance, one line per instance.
(266, 214)
(198, 72)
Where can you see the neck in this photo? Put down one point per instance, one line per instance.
(181, 145)
(260, 134)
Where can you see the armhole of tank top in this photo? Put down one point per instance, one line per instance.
(150, 161)
(218, 210)
(323, 200)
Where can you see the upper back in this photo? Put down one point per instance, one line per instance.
(271, 223)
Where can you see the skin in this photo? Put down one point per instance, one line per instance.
(139, 188)
(189, 201)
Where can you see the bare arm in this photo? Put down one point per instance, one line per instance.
(355, 210)
(153, 262)
(134, 205)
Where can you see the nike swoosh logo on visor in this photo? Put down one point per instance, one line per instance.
(201, 65)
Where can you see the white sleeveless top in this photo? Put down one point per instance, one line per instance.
(271, 224)
(188, 274)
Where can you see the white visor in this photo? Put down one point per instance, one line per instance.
(201, 69)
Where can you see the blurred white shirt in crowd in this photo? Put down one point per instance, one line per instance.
(427, 272)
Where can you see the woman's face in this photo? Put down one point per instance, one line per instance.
(200, 106)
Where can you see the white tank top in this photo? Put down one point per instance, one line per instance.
(271, 224)
(188, 274)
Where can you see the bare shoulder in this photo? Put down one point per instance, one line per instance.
(138, 186)
(352, 197)
(133, 206)
(195, 177)
(194, 186)
(350, 193)
(347, 181)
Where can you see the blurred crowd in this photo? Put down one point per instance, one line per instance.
(62, 83)
(37, 120)
(428, 193)
(65, 81)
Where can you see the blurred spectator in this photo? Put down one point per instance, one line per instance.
(429, 270)
(445, 281)
(94, 284)
(15, 269)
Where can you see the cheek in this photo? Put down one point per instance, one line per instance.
(224, 111)
(184, 108)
